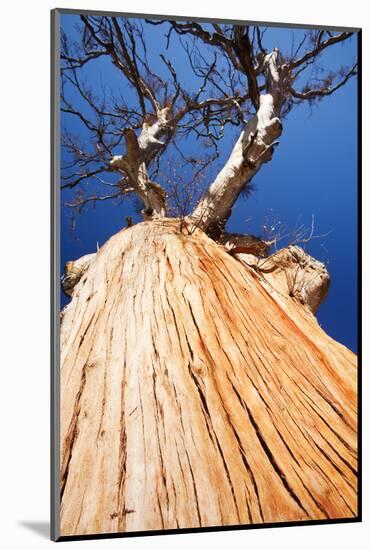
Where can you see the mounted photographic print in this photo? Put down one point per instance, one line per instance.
(205, 193)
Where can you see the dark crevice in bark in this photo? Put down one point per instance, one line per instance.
(160, 511)
(227, 472)
(269, 453)
(282, 439)
(316, 448)
(194, 489)
(272, 460)
(103, 406)
(249, 471)
(142, 421)
(162, 465)
(353, 470)
(310, 404)
(82, 337)
(211, 432)
(338, 436)
(73, 432)
(122, 457)
(205, 409)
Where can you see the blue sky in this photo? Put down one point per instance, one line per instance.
(313, 173)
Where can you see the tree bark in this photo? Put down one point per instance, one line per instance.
(196, 393)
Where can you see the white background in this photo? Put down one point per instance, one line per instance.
(24, 252)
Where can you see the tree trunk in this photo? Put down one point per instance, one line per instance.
(195, 393)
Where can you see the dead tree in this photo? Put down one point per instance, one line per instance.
(196, 390)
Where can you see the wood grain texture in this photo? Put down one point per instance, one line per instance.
(194, 393)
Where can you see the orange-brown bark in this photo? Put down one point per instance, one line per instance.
(194, 393)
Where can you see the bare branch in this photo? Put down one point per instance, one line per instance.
(243, 48)
(83, 177)
(79, 203)
(319, 48)
(215, 39)
(322, 92)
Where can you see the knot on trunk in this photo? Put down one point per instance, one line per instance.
(73, 271)
(307, 278)
(293, 272)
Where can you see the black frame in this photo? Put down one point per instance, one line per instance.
(55, 281)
